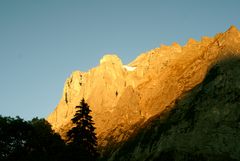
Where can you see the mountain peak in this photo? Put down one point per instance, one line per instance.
(122, 97)
(191, 41)
(114, 59)
(233, 29)
(232, 32)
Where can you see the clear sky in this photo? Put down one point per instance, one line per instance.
(43, 41)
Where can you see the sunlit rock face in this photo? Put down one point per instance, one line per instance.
(202, 125)
(122, 97)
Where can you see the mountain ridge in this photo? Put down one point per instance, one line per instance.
(203, 124)
(123, 97)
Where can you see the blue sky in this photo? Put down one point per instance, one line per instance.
(42, 42)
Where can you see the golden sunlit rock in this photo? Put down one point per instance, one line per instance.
(122, 96)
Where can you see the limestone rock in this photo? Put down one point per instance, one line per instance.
(125, 96)
(202, 125)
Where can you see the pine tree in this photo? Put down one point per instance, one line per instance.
(82, 138)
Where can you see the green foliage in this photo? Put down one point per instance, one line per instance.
(82, 140)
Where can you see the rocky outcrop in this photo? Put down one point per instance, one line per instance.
(204, 124)
(123, 97)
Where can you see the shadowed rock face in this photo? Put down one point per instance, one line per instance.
(124, 97)
(203, 125)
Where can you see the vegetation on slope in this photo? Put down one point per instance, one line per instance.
(203, 125)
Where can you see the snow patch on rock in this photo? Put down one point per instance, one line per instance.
(128, 68)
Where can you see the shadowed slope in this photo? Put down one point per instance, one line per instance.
(123, 96)
(203, 125)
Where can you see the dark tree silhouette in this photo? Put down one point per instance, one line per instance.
(82, 140)
(44, 144)
(13, 138)
(29, 141)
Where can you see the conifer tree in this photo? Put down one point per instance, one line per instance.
(82, 138)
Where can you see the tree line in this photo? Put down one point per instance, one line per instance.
(35, 140)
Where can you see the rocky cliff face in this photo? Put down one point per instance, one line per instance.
(203, 125)
(123, 97)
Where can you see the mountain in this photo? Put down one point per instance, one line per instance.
(203, 125)
(123, 98)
